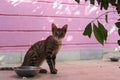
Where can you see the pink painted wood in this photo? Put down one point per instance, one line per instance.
(24, 22)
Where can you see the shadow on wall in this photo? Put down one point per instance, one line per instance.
(56, 9)
(68, 9)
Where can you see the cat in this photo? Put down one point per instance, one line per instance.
(46, 50)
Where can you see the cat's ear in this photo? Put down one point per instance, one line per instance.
(65, 27)
(53, 26)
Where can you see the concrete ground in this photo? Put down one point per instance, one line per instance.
(75, 70)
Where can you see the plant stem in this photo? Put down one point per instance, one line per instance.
(102, 15)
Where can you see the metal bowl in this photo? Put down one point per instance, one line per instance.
(27, 71)
(114, 59)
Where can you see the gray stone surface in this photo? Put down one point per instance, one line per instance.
(10, 57)
(90, 54)
(108, 53)
(73, 70)
(66, 55)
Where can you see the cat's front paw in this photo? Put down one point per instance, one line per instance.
(54, 71)
(43, 71)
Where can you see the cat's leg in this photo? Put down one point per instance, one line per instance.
(30, 59)
(54, 60)
(43, 70)
(51, 64)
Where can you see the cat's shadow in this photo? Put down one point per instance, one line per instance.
(15, 76)
(24, 78)
(48, 75)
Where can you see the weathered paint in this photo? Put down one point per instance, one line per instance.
(23, 22)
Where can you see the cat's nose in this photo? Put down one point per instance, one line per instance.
(58, 32)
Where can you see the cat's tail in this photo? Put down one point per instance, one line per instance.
(43, 71)
(6, 68)
(12, 68)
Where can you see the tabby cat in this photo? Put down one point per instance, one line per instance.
(46, 49)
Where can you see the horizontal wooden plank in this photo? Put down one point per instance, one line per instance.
(21, 38)
(64, 47)
(44, 23)
(22, 23)
(89, 46)
(54, 9)
(69, 2)
(28, 38)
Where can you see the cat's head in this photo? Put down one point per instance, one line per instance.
(59, 33)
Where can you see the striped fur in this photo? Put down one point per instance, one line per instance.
(46, 49)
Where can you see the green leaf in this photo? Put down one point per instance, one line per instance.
(105, 4)
(118, 9)
(103, 30)
(119, 19)
(118, 2)
(112, 2)
(102, 4)
(119, 32)
(117, 24)
(118, 42)
(88, 30)
(78, 1)
(98, 34)
(106, 18)
(92, 2)
(99, 1)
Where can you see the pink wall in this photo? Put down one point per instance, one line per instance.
(23, 22)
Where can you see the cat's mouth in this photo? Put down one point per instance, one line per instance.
(58, 39)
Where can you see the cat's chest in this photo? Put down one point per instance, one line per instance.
(55, 51)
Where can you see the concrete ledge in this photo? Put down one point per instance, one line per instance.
(10, 57)
(91, 54)
(107, 53)
(66, 55)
